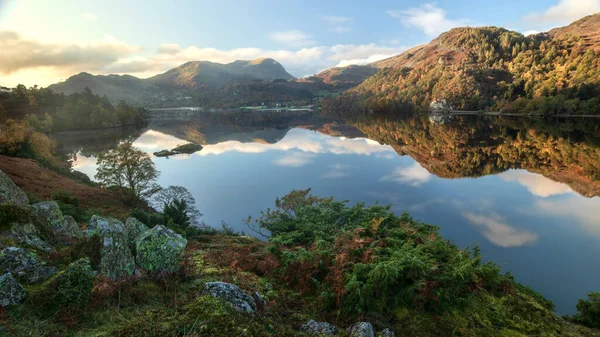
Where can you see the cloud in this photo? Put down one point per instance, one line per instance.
(531, 32)
(494, 228)
(414, 175)
(20, 54)
(347, 54)
(292, 38)
(339, 24)
(430, 19)
(574, 209)
(565, 11)
(337, 171)
(537, 184)
(89, 16)
(295, 159)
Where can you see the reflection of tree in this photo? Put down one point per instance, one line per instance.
(567, 151)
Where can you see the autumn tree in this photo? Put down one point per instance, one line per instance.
(178, 204)
(128, 168)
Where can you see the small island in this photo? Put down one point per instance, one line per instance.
(188, 148)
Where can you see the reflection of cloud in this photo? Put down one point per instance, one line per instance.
(337, 171)
(493, 227)
(151, 140)
(536, 184)
(414, 175)
(575, 209)
(295, 159)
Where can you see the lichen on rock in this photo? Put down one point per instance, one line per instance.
(71, 227)
(11, 292)
(386, 333)
(319, 328)
(133, 229)
(361, 329)
(160, 250)
(28, 234)
(25, 265)
(10, 193)
(231, 294)
(99, 226)
(116, 260)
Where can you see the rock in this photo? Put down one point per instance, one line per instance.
(71, 227)
(50, 217)
(386, 333)
(11, 292)
(319, 328)
(10, 193)
(116, 260)
(232, 294)
(133, 229)
(361, 329)
(159, 250)
(261, 304)
(28, 234)
(99, 226)
(25, 265)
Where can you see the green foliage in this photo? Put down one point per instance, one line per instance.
(148, 218)
(14, 214)
(588, 311)
(176, 215)
(70, 205)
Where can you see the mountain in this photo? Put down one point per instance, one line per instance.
(344, 77)
(198, 74)
(490, 68)
(116, 87)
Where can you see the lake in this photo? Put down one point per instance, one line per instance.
(526, 191)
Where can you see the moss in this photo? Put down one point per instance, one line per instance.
(14, 214)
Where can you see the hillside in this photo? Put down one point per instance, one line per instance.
(491, 68)
(198, 74)
(343, 77)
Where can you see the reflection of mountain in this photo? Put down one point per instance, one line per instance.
(567, 151)
(92, 142)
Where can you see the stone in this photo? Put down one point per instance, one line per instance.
(319, 328)
(11, 292)
(71, 227)
(28, 234)
(99, 226)
(10, 193)
(232, 294)
(361, 329)
(133, 229)
(386, 333)
(159, 250)
(261, 304)
(25, 265)
(49, 215)
(116, 260)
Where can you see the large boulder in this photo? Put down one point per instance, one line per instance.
(10, 193)
(25, 265)
(133, 229)
(71, 227)
(50, 217)
(361, 329)
(99, 226)
(319, 328)
(27, 234)
(232, 294)
(11, 292)
(159, 250)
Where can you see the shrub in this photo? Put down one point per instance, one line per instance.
(149, 219)
(588, 311)
(11, 214)
(70, 205)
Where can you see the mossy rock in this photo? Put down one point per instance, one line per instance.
(232, 294)
(116, 259)
(11, 292)
(29, 235)
(100, 225)
(25, 265)
(160, 250)
(70, 287)
(133, 229)
(14, 214)
(72, 228)
(10, 193)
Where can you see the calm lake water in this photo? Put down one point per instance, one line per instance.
(525, 192)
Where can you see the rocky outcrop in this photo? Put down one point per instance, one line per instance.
(99, 226)
(160, 250)
(133, 229)
(71, 227)
(11, 292)
(28, 234)
(50, 217)
(232, 294)
(25, 265)
(319, 328)
(361, 329)
(10, 193)
(116, 260)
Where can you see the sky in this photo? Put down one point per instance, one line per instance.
(44, 42)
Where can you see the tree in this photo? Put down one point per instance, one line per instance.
(588, 311)
(176, 199)
(128, 168)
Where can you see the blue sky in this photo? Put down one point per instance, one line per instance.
(46, 41)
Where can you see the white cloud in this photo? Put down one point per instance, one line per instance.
(339, 24)
(494, 228)
(429, 18)
(531, 32)
(295, 159)
(340, 29)
(414, 175)
(292, 38)
(565, 11)
(336, 171)
(347, 54)
(537, 184)
(574, 209)
(90, 16)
